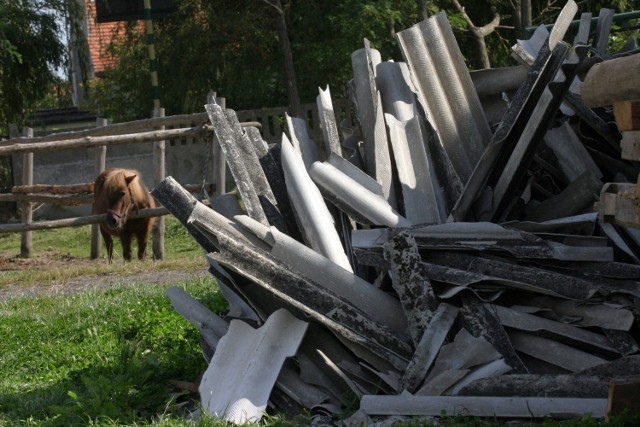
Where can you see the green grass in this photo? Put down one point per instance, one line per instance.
(106, 357)
(97, 355)
(60, 255)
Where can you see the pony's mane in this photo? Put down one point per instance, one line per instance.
(138, 190)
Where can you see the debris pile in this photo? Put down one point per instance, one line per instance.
(431, 259)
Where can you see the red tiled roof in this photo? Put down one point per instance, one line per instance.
(99, 36)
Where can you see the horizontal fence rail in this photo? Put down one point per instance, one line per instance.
(78, 221)
(177, 130)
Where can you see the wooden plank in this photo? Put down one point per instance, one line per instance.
(55, 199)
(627, 114)
(630, 145)
(54, 189)
(610, 81)
(619, 204)
(27, 207)
(100, 163)
(159, 173)
(75, 222)
(27, 146)
(623, 395)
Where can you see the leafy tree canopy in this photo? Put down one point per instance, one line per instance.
(232, 47)
(30, 52)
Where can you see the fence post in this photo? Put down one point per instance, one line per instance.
(159, 171)
(27, 207)
(99, 166)
(218, 163)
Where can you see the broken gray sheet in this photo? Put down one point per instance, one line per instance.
(482, 323)
(455, 360)
(579, 313)
(269, 157)
(422, 200)
(252, 163)
(318, 225)
(301, 141)
(577, 197)
(429, 345)
(299, 293)
(501, 407)
(206, 215)
(411, 282)
(328, 123)
(553, 352)
(382, 306)
(445, 91)
(237, 160)
(476, 198)
(563, 68)
(237, 384)
(377, 157)
(571, 153)
(482, 236)
(568, 385)
(568, 334)
(583, 225)
(211, 326)
(468, 269)
(355, 193)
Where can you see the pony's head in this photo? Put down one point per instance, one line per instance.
(120, 199)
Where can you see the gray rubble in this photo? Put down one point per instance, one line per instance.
(445, 265)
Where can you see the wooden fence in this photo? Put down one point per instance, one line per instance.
(158, 130)
(103, 135)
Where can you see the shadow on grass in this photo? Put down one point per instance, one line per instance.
(134, 389)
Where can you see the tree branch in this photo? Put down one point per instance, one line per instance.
(276, 5)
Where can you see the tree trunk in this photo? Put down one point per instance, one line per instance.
(422, 10)
(479, 33)
(290, 75)
(521, 18)
(525, 13)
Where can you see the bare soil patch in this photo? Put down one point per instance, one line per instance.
(91, 280)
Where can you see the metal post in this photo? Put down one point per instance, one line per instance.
(153, 63)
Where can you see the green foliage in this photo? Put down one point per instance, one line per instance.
(232, 48)
(30, 51)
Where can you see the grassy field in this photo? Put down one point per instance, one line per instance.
(110, 356)
(61, 255)
(102, 356)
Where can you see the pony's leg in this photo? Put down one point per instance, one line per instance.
(125, 239)
(143, 238)
(108, 242)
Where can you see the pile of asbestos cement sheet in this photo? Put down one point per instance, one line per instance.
(443, 254)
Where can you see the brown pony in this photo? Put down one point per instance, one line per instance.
(117, 192)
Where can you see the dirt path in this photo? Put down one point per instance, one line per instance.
(163, 277)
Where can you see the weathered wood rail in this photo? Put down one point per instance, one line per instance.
(158, 130)
(76, 194)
